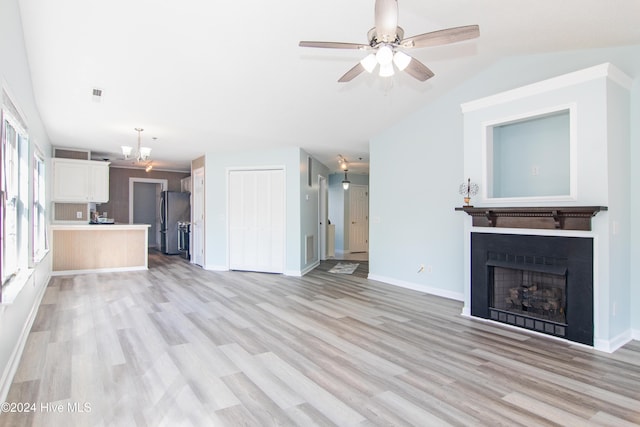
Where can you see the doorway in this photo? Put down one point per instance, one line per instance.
(144, 205)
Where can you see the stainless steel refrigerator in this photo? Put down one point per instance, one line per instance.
(174, 207)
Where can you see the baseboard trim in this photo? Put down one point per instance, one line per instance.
(609, 346)
(294, 273)
(308, 268)
(458, 296)
(216, 268)
(14, 361)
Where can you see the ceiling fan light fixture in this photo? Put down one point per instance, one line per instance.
(384, 56)
(369, 62)
(401, 60)
(386, 70)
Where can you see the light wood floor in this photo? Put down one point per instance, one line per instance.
(179, 346)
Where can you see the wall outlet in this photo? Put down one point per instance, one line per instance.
(79, 214)
(535, 170)
(429, 269)
(613, 309)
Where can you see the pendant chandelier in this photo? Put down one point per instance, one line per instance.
(142, 154)
(345, 182)
(344, 165)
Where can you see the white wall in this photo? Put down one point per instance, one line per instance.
(301, 214)
(412, 203)
(634, 235)
(15, 317)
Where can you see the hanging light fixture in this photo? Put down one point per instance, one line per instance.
(385, 58)
(401, 60)
(346, 182)
(369, 62)
(344, 165)
(142, 154)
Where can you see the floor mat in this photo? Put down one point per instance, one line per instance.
(344, 268)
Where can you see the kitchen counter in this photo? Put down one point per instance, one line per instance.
(95, 248)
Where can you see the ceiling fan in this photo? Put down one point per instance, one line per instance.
(386, 42)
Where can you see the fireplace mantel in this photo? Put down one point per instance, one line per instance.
(558, 218)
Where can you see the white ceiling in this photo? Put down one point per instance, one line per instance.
(206, 76)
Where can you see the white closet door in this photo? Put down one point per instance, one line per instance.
(256, 220)
(359, 217)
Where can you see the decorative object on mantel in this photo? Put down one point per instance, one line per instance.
(551, 217)
(468, 189)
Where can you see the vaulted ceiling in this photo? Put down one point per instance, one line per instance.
(207, 76)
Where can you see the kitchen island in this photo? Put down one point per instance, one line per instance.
(89, 248)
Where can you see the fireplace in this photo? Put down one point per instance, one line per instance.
(541, 283)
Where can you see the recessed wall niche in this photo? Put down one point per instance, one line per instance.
(530, 156)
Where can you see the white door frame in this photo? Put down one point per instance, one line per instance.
(198, 224)
(323, 215)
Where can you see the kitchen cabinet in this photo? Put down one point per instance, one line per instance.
(80, 181)
(185, 185)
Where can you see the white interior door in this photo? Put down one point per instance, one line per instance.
(256, 220)
(197, 220)
(359, 218)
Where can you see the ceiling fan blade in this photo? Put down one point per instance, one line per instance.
(352, 73)
(436, 38)
(386, 20)
(418, 70)
(334, 45)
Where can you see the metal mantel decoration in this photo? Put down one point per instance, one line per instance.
(468, 189)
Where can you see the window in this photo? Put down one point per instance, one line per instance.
(39, 231)
(17, 183)
(10, 189)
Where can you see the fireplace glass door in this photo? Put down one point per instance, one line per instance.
(529, 295)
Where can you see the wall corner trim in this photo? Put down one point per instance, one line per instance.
(598, 71)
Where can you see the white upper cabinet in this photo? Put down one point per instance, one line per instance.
(80, 181)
